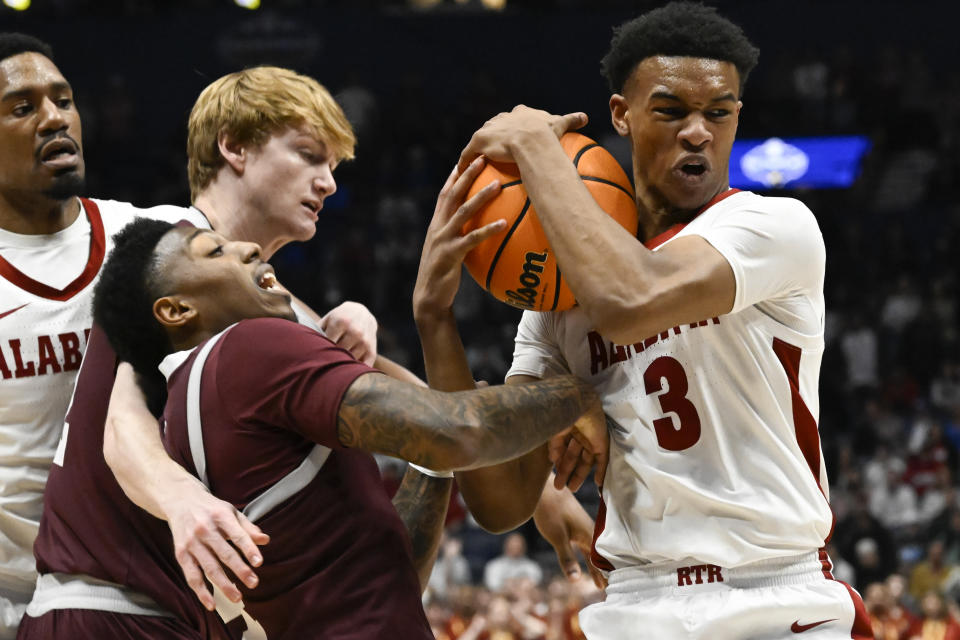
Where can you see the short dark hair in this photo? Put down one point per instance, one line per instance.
(123, 304)
(677, 29)
(13, 44)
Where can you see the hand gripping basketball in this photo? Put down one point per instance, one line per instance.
(517, 265)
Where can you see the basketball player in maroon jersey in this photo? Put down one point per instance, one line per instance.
(291, 418)
(89, 528)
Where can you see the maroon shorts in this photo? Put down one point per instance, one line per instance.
(69, 624)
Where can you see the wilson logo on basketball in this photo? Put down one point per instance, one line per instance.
(526, 295)
(522, 252)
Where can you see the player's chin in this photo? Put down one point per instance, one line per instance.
(692, 196)
(283, 308)
(306, 229)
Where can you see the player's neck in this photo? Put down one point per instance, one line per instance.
(37, 215)
(232, 217)
(188, 337)
(657, 215)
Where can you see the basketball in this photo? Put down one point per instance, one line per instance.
(518, 266)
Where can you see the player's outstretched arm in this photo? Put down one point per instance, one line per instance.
(206, 531)
(467, 429)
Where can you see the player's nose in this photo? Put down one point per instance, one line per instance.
(247, 251)
(695, 134)
(52, 118)
(324, 183)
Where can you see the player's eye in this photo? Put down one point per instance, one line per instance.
(22, 109)
(717, 113)
(64, 103)
(671, 112)
(218, 251)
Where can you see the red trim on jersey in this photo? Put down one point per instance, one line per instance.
(598, 560)
(826, 564)
(808, 436)
(659, 239)
(862, 629)
(805, 426)
(98, 247)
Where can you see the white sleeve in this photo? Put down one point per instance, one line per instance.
(774, 247)
(174, 214)
(536, 351)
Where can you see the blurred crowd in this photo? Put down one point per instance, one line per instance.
(890, 381)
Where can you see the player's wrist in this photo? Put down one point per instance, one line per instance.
(427, 315)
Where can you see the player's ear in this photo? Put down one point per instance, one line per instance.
(233, 151)
(171, 311)
(618, 114)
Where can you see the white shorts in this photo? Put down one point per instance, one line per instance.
(794, 598)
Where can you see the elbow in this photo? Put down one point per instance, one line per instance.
(451, 449)
(622, 323)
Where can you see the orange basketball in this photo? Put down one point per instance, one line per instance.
(518, 266)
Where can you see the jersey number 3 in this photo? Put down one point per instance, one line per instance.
(670, 435)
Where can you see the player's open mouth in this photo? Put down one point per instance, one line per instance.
(59, 154)
(312, 206)
(268, 282)
(693, 169)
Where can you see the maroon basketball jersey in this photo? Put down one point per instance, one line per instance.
(88, 524)
(339, 564)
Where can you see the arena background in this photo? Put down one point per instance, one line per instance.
(418, 77)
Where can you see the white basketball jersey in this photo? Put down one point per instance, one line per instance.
(715, 454)
(46, 291)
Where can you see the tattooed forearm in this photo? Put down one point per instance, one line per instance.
(422, 504)
(460, 430)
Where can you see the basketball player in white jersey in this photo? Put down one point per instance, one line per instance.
(52, 244)
(704, 335)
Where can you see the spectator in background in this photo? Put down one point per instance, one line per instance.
(859, 345)
(867, 559)
(504, 620)
(893, 502)
(945, 388)
(901, 306)
(936, 623)
(903, 605)
(946, 526)
(451, 568)
(888, 621)
(514, 563)
(930, 454)
(874, 560)
(936, 499)
(931, 573)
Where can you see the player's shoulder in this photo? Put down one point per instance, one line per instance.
(269, 325)
(775, 205)
(269, 334)
(774, 213)
(117, 214)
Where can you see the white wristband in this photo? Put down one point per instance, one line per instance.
(431, 472)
